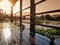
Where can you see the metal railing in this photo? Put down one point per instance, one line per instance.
(52, 11)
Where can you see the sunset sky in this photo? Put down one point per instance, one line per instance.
(45, 6)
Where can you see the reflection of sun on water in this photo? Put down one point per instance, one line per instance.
(6, 32)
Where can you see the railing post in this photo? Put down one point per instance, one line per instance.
(11, 14)
(20, 13)
(20, 22)
(32, 18)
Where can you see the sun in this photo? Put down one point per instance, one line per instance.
(5, 5)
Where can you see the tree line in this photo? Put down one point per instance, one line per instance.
(55, 17)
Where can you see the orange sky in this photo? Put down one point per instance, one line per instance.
(5, 5)
(45, 6)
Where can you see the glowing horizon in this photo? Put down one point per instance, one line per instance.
(6, 6)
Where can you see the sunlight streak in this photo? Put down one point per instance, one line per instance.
(6, 33)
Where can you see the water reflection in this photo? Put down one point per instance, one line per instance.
(32, 40)
(20, 37)
(52, 41)
(6, 33)
(21, 31)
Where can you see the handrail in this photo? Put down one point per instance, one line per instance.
(30, 6)
(56, 27)
(53, 11)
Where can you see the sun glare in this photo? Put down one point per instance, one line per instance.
(6, 32)
(5, 5)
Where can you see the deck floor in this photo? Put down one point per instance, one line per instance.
(10, 35)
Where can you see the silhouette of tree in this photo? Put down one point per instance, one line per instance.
(48, 17)
(58, 18)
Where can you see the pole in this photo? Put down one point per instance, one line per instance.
(20, 22)
(32, 18)
(32, 22)
(11, 14)
(20, 13)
